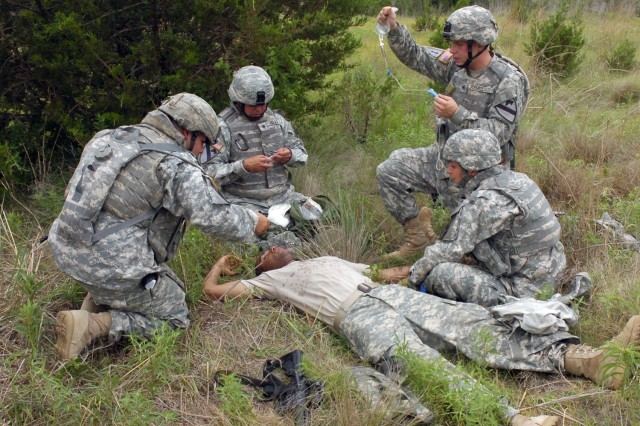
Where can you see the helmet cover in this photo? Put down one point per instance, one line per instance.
(473, 149)
(471, 23)
(251, 85)
(192, 113)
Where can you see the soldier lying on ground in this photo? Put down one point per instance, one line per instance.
(375, 320)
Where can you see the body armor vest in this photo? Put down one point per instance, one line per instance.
(249, 138)
(479, 95)
(535, 229)
(114, 177)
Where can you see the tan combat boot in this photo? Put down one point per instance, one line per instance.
(425, 216)
(520, 420)
(585, 361)
(76, 329)
(416, 235)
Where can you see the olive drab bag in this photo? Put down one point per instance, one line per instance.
(102, 159)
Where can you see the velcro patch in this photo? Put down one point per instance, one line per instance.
(435, 52)
(508, 110)
(445, 56)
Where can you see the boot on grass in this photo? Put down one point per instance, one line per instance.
(417, 235)
(76, 329)
(598, 365)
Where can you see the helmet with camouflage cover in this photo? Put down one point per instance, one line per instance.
(192, 113)
(251, 85)
(473, 149)
(471, 23)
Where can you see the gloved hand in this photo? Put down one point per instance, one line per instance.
(419, 272)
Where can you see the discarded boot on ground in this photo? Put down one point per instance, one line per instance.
(597, 364)
(76, 329)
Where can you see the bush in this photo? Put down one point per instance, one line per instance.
(555, 44)
(622, 57)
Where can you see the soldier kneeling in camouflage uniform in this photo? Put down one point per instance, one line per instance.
(484, 90)
(504, 221)
(375, 320)
(125, 214)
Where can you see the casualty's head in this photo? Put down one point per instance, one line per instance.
(473, 27)
(273, 258)
(251, 91)
(470, 151)
(196, 119)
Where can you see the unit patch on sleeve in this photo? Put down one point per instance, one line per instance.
(508, 110)
(435, 52)
(445, 57)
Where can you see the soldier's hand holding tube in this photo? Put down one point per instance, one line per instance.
(445, 106)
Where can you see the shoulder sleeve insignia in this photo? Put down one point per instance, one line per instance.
(508, 110)
(445, 56)
(435, 52)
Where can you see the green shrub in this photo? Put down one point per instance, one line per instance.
(436, 39)
(622, 57)
(555, 44)
(520, 11)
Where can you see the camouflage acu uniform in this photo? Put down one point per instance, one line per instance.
(174, 189)
(507, 223)
(244, 139)
(493, 100)
(376, 321)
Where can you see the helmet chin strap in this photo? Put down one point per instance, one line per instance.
(470, 57)
(192, 141)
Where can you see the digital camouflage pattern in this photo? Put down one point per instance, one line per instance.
(113, 268)
(471, 23)
(494, 101)
(247, 83)
(193, 113)
(473, 149)
(243, 139)
(382, 392)
(390, 316)
(510, 228)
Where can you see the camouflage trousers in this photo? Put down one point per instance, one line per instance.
(464, 283)
(136, 310)
(410, 170)
(262, 205)
(392, 315)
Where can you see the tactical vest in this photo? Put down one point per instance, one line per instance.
(479, 95)
(114, 177)
(535, 229)
(250, 138)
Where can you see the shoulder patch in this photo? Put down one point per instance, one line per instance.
(508, 110)
(435, 52)
(445, 56)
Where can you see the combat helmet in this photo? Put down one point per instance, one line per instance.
(471, 23)
(251, 85)
(192, 113)
(473, 149)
